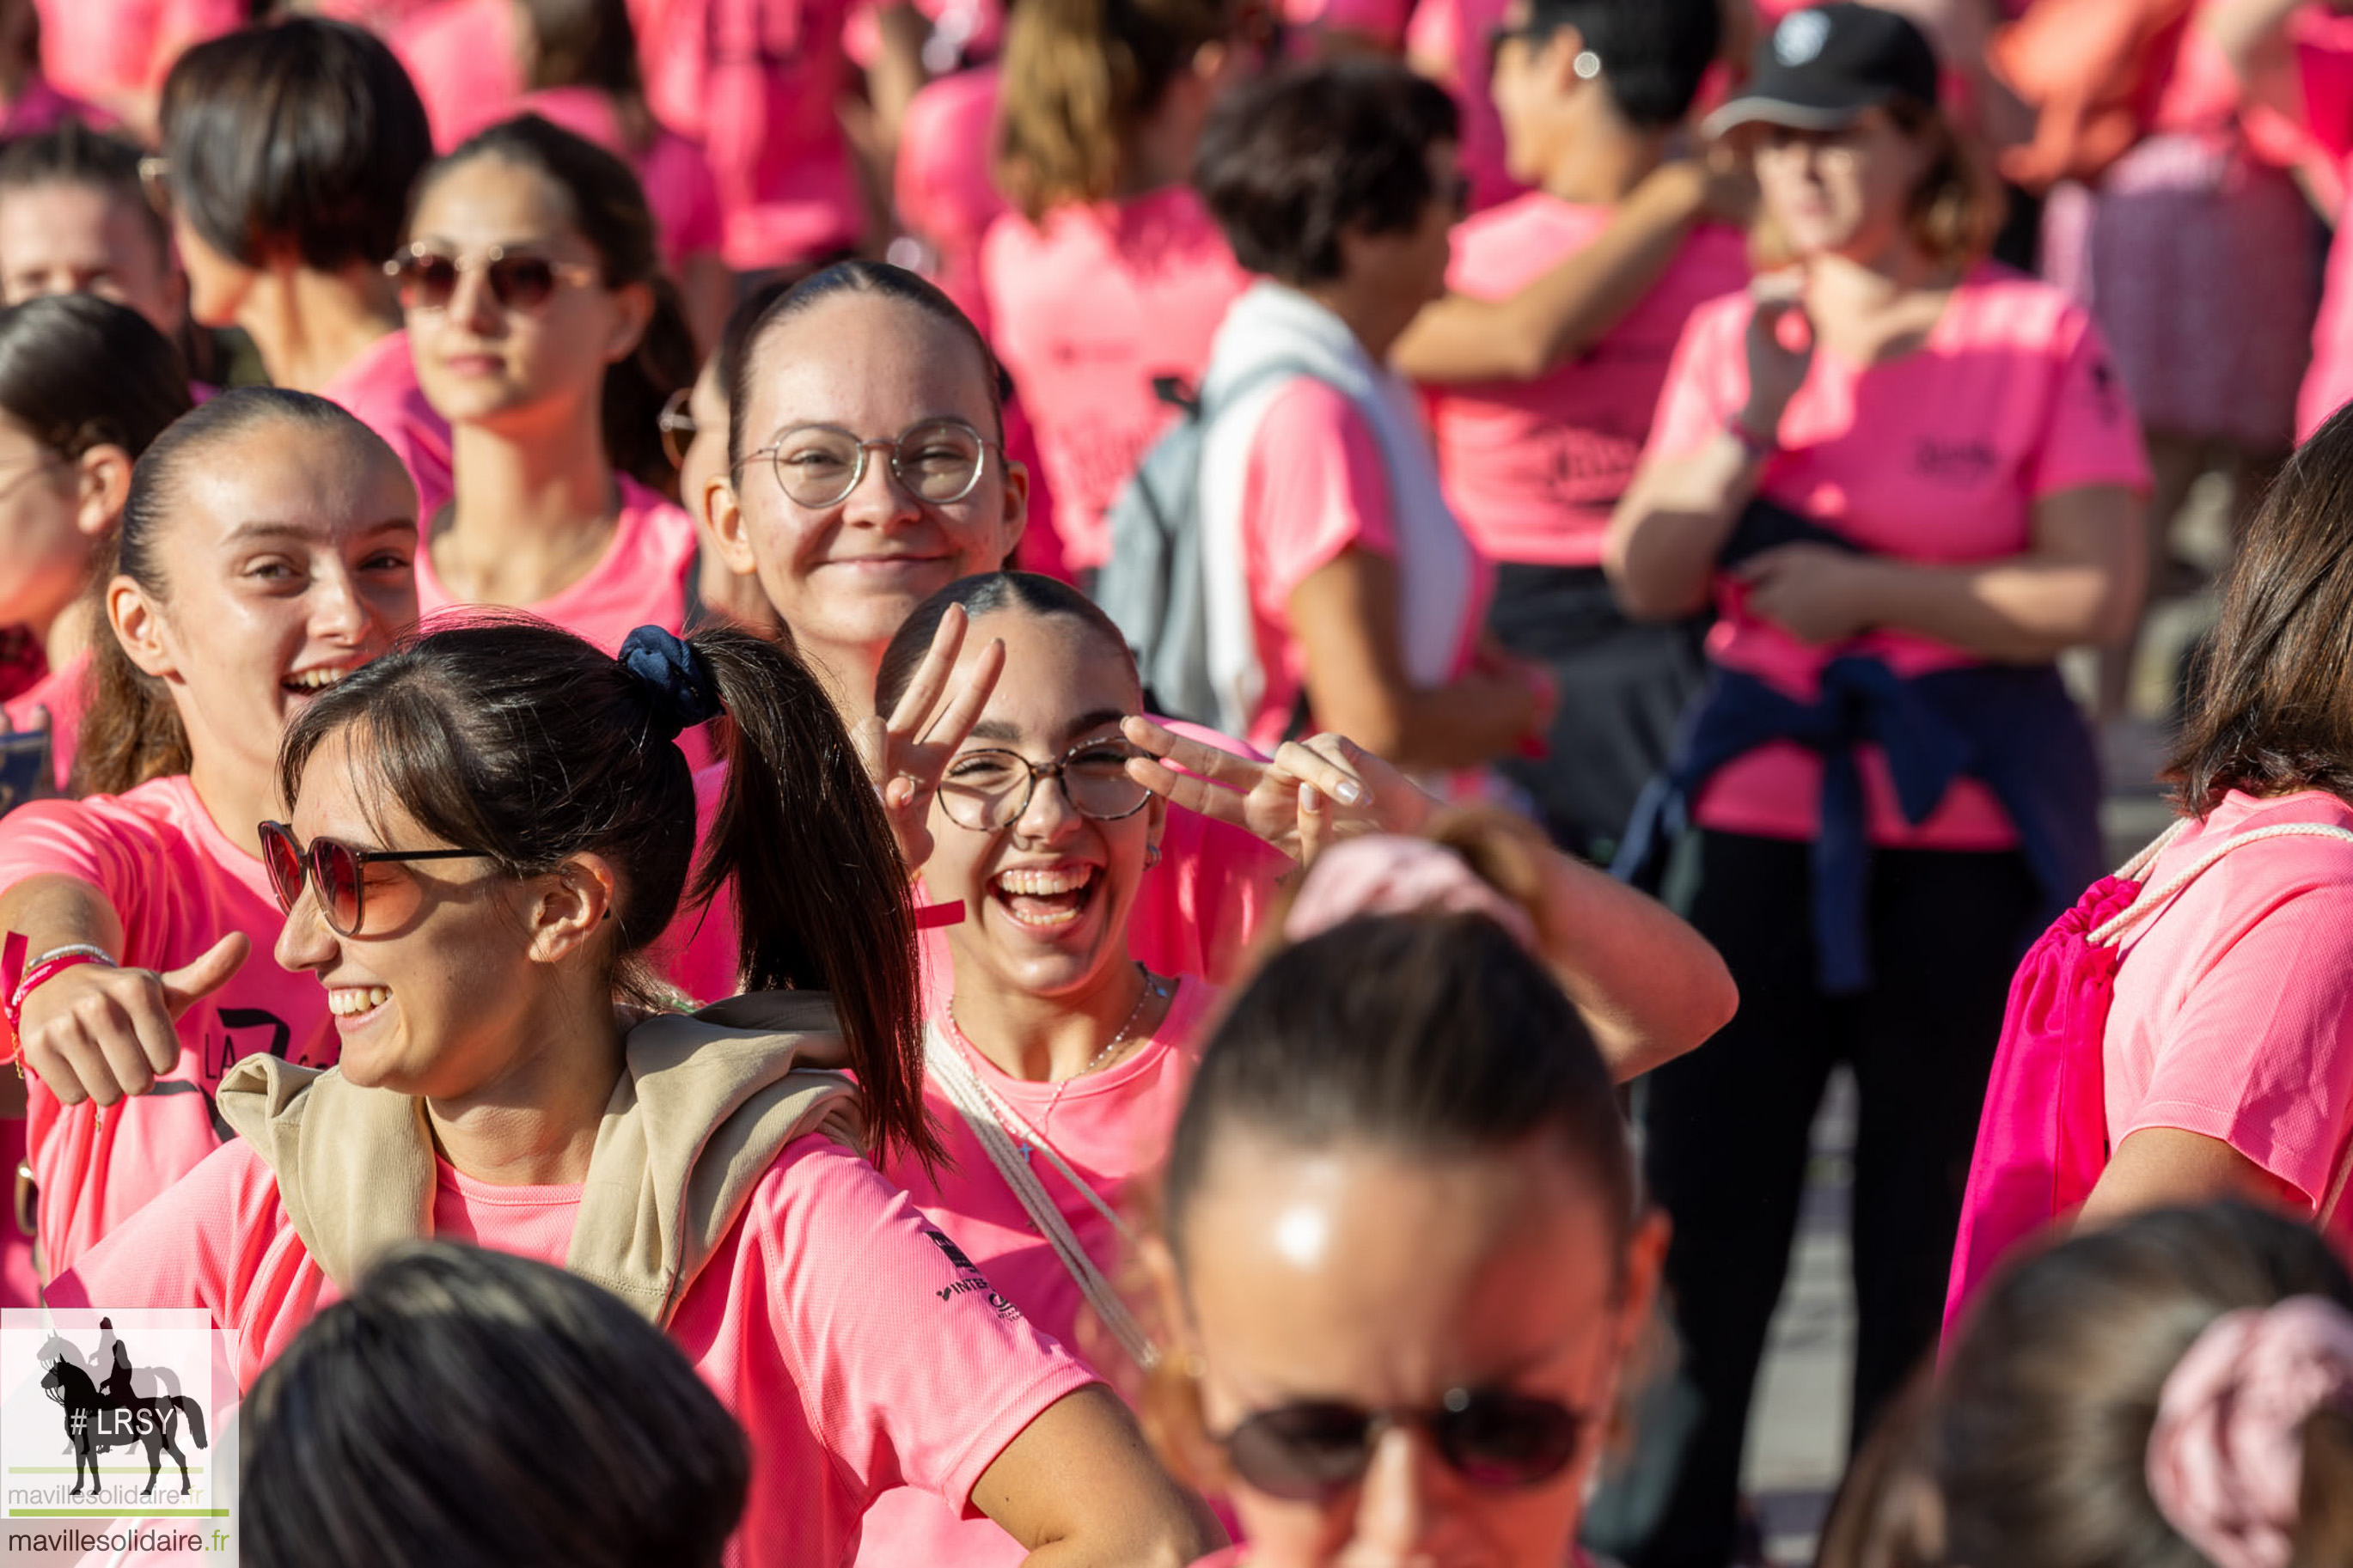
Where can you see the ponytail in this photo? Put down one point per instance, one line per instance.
(520, 740)
(1081, 77)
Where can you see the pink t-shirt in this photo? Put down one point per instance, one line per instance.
(40, 107)
(116, 50)
(758, 83)
(1087, 309)
(1316, 484)
(461, 55)
(824, 1322)
(1937, 457)
(2234, 1011)
(1451, 36)
(379, 386)
(179, 885)
(640, 580)
(676, 176)
(63, 694)
(944, 193)
(2328, 384)
(1112, 1127)
(1534, 468)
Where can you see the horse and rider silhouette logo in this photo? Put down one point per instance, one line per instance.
(109, 1405)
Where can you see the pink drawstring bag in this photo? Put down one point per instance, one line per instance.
(2043, 1139)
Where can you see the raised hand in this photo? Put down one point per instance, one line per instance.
(906, 753)
(1775, 370)
(98, 1033)
(1313, 792)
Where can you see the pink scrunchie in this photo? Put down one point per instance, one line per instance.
(2226, 1457)
(1383, 874)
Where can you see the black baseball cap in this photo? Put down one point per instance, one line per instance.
(1824, 66)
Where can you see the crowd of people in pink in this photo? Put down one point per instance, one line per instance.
(1108, 782)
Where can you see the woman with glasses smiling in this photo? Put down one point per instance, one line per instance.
(545, 333)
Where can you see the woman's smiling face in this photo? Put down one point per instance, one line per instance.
(1047, 897)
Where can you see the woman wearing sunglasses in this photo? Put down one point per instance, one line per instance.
(545, 333)
(485, 832)
(265, 555)
(289, 155)
(1405, 1109)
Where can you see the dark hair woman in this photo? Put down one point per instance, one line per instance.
(289, 152)
(546, 335)
(1906, 480)
(1321, 507)
(75, 219)
(487, 831)
(409, 1426)
(86, 386)
(263, 554)
(2173, 1391)
(1404, 1109)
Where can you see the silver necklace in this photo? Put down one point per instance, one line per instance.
(1153, 986)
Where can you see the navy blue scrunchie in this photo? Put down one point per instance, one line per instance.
(675, 679)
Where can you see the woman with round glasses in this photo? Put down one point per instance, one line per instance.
(289, 155)
(264, 554)
(1406, 1110)
(485, 832)
(545, 333)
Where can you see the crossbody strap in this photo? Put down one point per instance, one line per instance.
(2150, 902)
(994, 1123)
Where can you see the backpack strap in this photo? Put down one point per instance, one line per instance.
(2148, 903)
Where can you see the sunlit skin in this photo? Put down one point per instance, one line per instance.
(518, 372)
(47, 534)
(844, 578)
(1839, 193)
(291, 559)
(1385, 1278)
(62, 238)
(1017, 959)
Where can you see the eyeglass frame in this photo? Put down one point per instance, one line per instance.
(576, 274)
(1057, 770)
(774, 453)
(678, 414)
(1379, 1422)
(361, 858)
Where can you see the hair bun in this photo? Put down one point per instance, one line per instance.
(677, 679)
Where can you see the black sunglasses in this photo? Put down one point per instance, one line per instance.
(1312, 1451)
(336, 868)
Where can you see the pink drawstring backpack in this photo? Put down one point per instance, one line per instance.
(2043, 1139)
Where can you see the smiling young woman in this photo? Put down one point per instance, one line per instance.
(264, 554)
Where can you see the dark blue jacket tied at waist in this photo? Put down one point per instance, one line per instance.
(2011, 727)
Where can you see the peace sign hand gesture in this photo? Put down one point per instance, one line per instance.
(1313, 792)
(906, 753)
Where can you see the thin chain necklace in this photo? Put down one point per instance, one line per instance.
(1153, 986)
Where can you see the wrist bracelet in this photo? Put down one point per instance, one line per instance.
(1755, 447)
(23, 983)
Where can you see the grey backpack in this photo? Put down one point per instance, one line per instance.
(1153, 586)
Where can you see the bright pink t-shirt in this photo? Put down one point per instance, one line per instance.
(941, 184)
(178, 885)
(115, 50)
(2328, 384)
(676, 176)
(824, 1322)
(1937, 457)
(461, 55)
(1087, 309)
(1316, 484)
(1533, 469)
(758, 83)
(2234, 1011)
(1451, 36)
(379, 386)
(63, 694)
(1112, 1127)
(639, 581)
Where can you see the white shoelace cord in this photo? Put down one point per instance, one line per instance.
(996, 1125)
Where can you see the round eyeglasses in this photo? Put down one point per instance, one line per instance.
(990, 790)
(818, 466)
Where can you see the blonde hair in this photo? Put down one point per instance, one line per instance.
(1953, 213)
(1080, 79)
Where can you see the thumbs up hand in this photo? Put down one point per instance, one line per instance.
(96, 1033)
